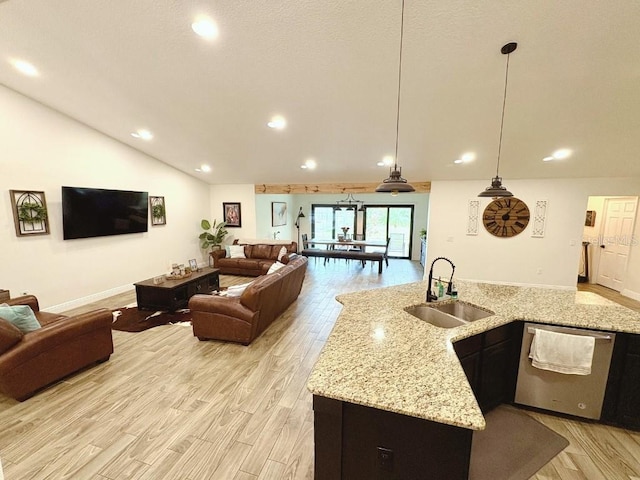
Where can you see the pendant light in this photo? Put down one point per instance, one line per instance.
(496, 189)
(395, 183)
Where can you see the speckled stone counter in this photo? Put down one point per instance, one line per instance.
(380, 356)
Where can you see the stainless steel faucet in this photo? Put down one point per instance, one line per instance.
(431, 297)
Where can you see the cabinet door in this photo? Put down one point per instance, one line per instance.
(468, 351)
(628, 411)
(495, 375)
(471, 366)
(629, 397)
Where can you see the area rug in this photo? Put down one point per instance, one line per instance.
(133, 320)
(514, 446)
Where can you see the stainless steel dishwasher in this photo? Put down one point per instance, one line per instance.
(579, 395)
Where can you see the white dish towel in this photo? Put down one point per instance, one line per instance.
(562, 352)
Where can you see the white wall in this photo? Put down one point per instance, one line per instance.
(264, 227)
(43, 150)
(243, 194)
(552, 260)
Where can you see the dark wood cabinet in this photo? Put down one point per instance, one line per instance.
(622, 399)
(490, 362)
(354, 442)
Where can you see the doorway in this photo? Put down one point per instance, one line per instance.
(608, 235)
(615, 241)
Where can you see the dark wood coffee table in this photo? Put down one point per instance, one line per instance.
(172, 295)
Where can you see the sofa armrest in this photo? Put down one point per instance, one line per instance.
(216, 255)
(29, 300)
(229, 306)
(56, 334)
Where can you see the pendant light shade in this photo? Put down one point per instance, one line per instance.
(395, 183)
(496, 189)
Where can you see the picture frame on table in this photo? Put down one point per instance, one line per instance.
(278, 214)
(193, 264)
(232, 214)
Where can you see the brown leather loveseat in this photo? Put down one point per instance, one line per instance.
(63, 345)
(242, 319)
(258, 258)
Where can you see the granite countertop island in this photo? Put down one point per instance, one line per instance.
(380, 356)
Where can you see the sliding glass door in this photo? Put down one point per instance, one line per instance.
(390, 221)
(327, 223)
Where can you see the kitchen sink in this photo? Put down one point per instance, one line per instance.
(448, 315)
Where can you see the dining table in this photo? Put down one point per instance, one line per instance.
(332, 243)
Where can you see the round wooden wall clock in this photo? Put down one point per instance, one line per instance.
(506, 217)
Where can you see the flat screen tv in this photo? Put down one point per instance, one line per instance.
(97, 212)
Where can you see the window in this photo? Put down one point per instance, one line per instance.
(327, 223)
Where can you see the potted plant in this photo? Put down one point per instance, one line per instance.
(213, 235)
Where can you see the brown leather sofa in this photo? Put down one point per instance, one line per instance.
(242, 319)
(259, 258)
(64, 345)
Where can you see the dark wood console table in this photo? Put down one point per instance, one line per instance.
(172, 295)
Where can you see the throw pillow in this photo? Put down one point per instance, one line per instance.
(21, 316)
(227, 251)
(236, 251)
(9, 335)
(275, 267)
(236, 290)
(282, 253)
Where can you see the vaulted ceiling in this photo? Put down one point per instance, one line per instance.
(330, 68)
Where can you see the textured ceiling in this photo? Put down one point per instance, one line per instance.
(331, 68)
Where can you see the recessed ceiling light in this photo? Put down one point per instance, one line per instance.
(310, 164)
(143, 134)
(277, 122)
(547, 159)
(205, 27)
(205, 168)
(465, 158)
(561, 154)
(25, 67)
(387, 161)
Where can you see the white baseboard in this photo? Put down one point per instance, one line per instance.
(63, 307)
(630, 294)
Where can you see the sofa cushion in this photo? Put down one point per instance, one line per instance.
(275, 267)
(282, 253)
(236, 290)
(21, 316)
(9, 335)
(236, 251)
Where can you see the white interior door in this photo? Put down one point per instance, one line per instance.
(615, 241)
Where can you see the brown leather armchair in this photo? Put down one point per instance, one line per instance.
(64, 345)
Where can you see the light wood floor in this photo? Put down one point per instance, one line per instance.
(167, 406)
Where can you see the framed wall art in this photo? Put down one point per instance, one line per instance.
(590, 219)
(232, 214)
(278, 214)
(158, 211)
(30, 214)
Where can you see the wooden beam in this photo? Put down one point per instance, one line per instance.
(421, 187)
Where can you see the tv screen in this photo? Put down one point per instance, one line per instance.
(97, 212)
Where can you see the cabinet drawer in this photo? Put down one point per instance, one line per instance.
(633, 344)
(497, 335)
(468, 346)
